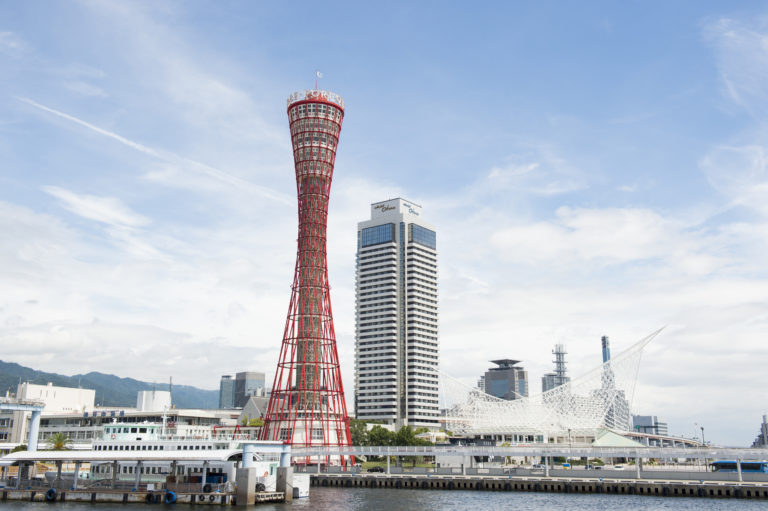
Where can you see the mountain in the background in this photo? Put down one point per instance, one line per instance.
(110, 390)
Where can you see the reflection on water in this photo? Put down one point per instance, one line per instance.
(368, 499)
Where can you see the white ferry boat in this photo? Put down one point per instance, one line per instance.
(140, 438)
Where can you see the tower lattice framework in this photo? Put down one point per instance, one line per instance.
(307, 406)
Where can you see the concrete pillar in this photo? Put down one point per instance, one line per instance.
(77, 474)
(464, 466)
(638, 461)
(34, 430)
(546, 466)
(136, 484)
(284, 482)
(205, 474)
(318, 464)
(115, 468)
(58, 474)
(285, 456)
(388, 463)
(19, 474)
(738, 469)
(246, 486)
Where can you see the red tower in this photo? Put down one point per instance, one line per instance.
(307, 407)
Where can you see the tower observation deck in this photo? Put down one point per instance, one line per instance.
(307, 406)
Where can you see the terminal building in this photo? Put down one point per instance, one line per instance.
(72, 412)
(396, 348)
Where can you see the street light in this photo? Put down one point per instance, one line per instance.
(702, 435)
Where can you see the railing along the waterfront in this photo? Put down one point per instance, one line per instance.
(541, 451)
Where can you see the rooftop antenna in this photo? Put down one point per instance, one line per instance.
(170, 390)
(318, 74)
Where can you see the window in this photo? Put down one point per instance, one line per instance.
(379, 234)
(285, 433)
(422, 235)
(317, 433)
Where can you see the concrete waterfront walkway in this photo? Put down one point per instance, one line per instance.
(626, 486)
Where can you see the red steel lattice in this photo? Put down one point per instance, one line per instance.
(307, 406)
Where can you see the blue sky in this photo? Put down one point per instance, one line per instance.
(592, 169)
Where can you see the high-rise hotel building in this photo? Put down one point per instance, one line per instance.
(396, 349)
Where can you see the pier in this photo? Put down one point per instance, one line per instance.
(624, 486)
(635, 479)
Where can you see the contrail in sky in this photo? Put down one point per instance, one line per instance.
(170, 157)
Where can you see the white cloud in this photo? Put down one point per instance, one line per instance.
(107, 210)
(606, 236)
(179, 161)
(12, 45)
(85, 89)
(536, 169)
(741, 49)
(741, 174)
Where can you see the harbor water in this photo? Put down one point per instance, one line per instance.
(359, 499)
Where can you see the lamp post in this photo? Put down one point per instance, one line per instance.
(702, 436)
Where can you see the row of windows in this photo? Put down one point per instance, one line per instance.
(368, 317)
(413, 272)
(314, 167)
(386, 292)
(120, 447)
(316, 109)
(386, 249)
(419, 295)
(314, 138)
(418, 254)
(414, 312)
(372, 268)
(419, 234)
(314, 124)
(314, 153)
(387, 253)
(415, 304)
(378, 234)
(431, 284)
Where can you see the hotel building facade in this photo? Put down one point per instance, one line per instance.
(396, 349)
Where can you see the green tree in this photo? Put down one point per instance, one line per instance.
(380, 436)
(407, 436)
(358, 430)
(59, 442)
(22, 447)
(255, 423)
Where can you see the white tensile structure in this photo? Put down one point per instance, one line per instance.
(598, 399)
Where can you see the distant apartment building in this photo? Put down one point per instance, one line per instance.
(396, 349)
(506, 381)
(226, 392)
(247, 384)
